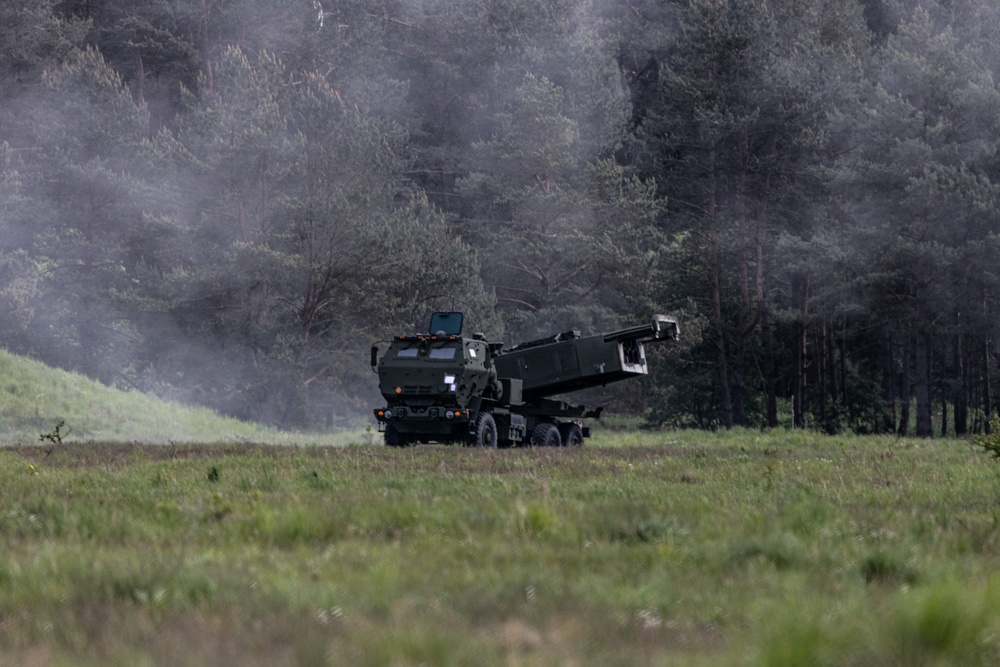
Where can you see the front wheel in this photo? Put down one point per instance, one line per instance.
(393, 438)
(484, 432)
(545, 435)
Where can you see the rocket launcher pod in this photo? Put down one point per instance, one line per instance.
(568, 362)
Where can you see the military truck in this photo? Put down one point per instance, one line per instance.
(441, 386)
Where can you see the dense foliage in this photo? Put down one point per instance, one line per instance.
(227, 201)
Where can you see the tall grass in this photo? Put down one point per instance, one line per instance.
(660, 548)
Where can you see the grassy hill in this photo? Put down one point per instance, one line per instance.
(35, 398)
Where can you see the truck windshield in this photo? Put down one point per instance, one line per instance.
(407, 352)
(442, 353)
(449, 323)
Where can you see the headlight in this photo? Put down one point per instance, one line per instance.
(388, 414)
(449, 414)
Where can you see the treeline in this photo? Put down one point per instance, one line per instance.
(228, 201)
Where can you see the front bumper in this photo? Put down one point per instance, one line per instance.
(433, 420)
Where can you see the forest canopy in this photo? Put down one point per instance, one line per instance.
(227, 201)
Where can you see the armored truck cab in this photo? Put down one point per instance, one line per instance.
(434, 384)
(441, 386)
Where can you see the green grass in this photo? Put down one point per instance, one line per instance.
(687, 548)
(35, 399)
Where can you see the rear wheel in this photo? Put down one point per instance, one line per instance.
(545, 435)
(484, 432)
(572, 435)
(394, 438)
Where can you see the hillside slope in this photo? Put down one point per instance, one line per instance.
(35, 398)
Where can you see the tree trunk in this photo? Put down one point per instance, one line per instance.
(965, 387)
(800, 288)
(720, 335)
(925, 428)
(945, 393)
(140, 80)
(739, 360)
(769, 373)
(904, 388)
(739, 363)
(838, 407)
(741, 263)
(750, 307)
(822, 357)
(987, 392)
(888, 383)
(843, 365)
(832, 365)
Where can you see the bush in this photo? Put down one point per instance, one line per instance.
(990, 441)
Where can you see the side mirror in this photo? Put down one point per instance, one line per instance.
(374, 356)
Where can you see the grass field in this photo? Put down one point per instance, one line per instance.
(657, 548)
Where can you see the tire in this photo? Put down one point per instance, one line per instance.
(484, 432)
(394, 438)
(545, 435)
(503, 430)
(572, 435)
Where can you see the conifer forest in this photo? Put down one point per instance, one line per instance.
(226, 202)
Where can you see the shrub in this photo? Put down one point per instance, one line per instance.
(990, 441)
